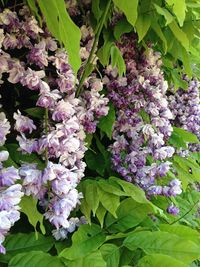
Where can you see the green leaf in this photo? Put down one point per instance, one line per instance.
(109, 187)
(129, 8)
(35, 259)
(181, 137)
(87, 239)
(96, 9)
(158, 260)
(131, 190)
(179, 9)
(20, 242)
(182, 231)
(94, 259)
(63, 28)
(121, 27)
(110, 253)
(179, 35)
(164, 12)
(156, 27)
(163, 243)
(186, 62)
(34, 9)
(117, 60)
(91, 197)
(100, 213)
(129, 214)
(106, 123)
(109, 201)
(29, 207)
(95, 162)
(36, 112)
(142, 25)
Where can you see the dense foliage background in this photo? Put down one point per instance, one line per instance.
(99, 133)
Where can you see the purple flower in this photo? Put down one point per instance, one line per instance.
(173, 210)
(23, 123)
(8, 176)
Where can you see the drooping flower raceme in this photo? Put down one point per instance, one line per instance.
(143, 120)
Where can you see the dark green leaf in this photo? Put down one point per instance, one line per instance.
(106, 123)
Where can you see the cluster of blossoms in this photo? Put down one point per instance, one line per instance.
(142, 128)
(44, 69)
(185, 107)
(10, 192)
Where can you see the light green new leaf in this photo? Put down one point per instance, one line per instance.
(142, 25)
(63, 28)
(100, 213)
(106, 123)
(129, 8)
(179, 34)
(29, 207)
(87, 239)
(158, 260)
(20, 242)
(91, 196)
(163, 243)
(111, 255)
(35, 259)
(109, 201)
(164, 12)
(179, 9)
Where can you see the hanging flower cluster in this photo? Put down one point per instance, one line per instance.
(10, 191)
(43, 68)
(142, 128)
(185, 107)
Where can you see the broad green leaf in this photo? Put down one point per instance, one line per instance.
(111, 255)
(129, 8)
(158, 260)
(63, 28)
(186, 62)
(179, 35)
(20, 242)
(156, 27)
(29, 207)
(110, 188)
(87, 239)
(179, 9)
(104, 52)
(100, 213)
(106, 123)
(109, 201)
(35, 259)
(164, 12)
(121, 27)
(181, 137)
(94, 259)
(142, 25)
(163, 243)
(129, 214)
(182, 231)
(95, 162)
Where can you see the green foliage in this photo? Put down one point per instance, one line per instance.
(21, 243)
(111, 255)
(29, 207)
(129, 8)
(157, 260)
(163, 243)
(63, 28)
(106, 123)
(35, 258)
(86, 240)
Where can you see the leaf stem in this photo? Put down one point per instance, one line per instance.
(94, 46)
(185, 213)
